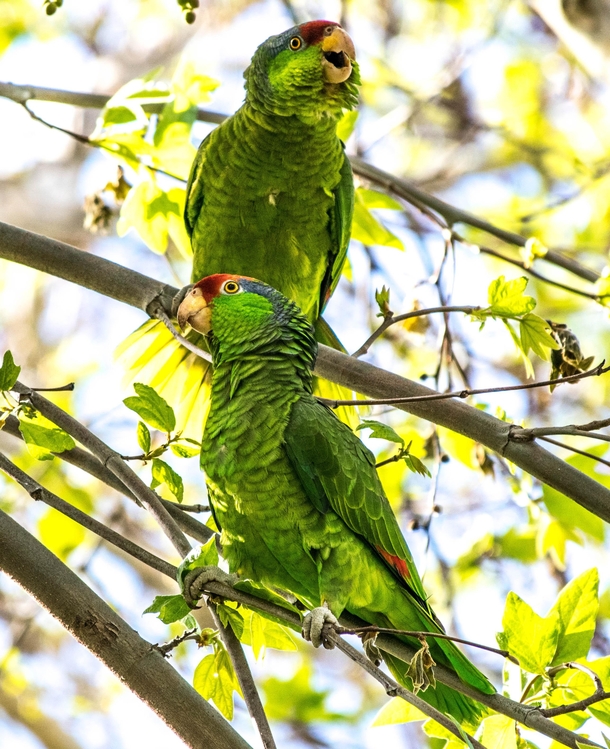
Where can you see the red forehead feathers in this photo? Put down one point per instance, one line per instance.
(313, 32)
(212, 285)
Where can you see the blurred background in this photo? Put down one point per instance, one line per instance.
(498, 107)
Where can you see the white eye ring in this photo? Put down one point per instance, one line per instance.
(231, 287)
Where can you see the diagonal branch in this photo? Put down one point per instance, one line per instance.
(244, 677)
(111, 460)
(399, 187)
(90, 464)
(39, 493)
(133, 288)
(96, 626)
(531, 717)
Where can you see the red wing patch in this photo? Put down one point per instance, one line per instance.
(396, 563)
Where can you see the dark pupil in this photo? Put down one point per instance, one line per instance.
(295, 43)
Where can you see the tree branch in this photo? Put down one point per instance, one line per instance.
(244, 677)
(392, 319)
(111, 460)
(90, 464)
(38, 492)
(138, 290)
(96, 626)
(400, 187)
(524, 714)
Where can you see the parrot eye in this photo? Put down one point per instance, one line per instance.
(295, 43)
(231, 287)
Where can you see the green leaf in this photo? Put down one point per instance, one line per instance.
(397, 711)
(155, 214)
(170, 608)
(415, 465)
(368, 230)
(152, 408)
(205, 555)
(229, 615)
(380, 431)
(346, 125)
(532, 639)
(9, 372)
(506, 298)
(432, 728)
(498, 731)
(215, 680)
(296, 701)
(376, 199)
(184, 451)
(576, 609)
(268, 634)
(535, 335)
(42, 441)
(143, 437)
(162, 473)
(383, 302)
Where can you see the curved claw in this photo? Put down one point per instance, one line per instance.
(195, 580)
(315, 627)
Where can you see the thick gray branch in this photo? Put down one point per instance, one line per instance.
(400, 187)
(140, 291)
(96, 626)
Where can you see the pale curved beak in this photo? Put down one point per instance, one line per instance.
(194, 311)
(338, 52)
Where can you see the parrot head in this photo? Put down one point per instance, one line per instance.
(309, 71)
(241, 315)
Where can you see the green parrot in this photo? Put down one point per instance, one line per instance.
(295, 492)
(270, 195)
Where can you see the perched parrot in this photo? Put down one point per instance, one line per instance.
(270, 193)
(294, 491)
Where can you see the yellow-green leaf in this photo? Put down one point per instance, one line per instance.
(151, 407)
(506, 298)
(42, 441)
(532, 639)
(397, 711)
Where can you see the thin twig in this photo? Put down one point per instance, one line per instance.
(434, 635)
(574, 430)
(167, 647)
(393, 689)
(38, 492)
(576, 450)
(245, 679)
(599, 370)
(62, 388)
(599, 695)
(392, 319)
(160, 314)
(94, 143)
